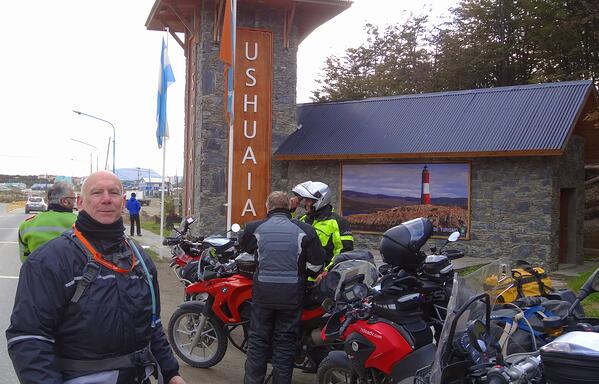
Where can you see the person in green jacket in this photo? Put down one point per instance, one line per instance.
(38, 229)
(333, 230)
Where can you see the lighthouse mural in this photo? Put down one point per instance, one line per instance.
(425, 195)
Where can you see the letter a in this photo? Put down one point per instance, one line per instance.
(249, 207)
(249, 155)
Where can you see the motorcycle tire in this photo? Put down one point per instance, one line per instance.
(335, 371)
(212, 345)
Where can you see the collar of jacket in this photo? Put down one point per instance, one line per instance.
(322, 213)
(279, 212)
(59, 208)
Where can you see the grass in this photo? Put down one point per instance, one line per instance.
(591, 303)
(468, 270)
(152, 226)
(153, 254)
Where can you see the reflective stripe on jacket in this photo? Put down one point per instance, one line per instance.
(41, 228)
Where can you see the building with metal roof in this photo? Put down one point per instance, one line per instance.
(521, 120)
(504, 166)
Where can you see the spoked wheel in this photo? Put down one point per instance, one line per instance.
(211, 345)
(334, 372)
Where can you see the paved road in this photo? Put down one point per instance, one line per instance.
(9, 272)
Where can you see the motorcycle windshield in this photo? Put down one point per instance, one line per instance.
(492, 279)
(416, 229)
(349, 272)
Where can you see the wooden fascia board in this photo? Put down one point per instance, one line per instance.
(181, 17)
(366, 156)
(157, 5)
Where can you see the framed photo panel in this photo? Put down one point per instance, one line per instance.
(376, 197)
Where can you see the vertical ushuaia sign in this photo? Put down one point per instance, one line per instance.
(253, 124)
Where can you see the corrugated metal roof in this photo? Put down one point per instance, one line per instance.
(486, 122)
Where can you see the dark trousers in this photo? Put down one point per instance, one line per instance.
(276, 330)
(135, 219)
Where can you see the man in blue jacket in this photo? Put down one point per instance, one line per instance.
(87, 306)
(133, 206)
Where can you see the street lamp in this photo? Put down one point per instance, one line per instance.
(113, 135)
(91, 166)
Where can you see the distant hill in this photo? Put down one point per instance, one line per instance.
(361, 202)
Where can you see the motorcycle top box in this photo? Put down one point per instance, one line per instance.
(400, 245)
(572, 358)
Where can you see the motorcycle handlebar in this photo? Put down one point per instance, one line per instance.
(171, 241)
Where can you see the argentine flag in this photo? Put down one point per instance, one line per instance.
(165, 78)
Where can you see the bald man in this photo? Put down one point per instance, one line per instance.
(87, 305)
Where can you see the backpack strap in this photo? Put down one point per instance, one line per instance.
(90, 271)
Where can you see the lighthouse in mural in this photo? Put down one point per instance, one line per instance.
(425, 195)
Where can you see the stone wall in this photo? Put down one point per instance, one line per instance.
(514, 203)
(210, 128)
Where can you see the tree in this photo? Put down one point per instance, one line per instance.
(390, 62)
(487, 43)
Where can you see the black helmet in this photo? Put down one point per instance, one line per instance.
(400, 246)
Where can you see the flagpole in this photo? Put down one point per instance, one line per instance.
(162, 193)
(163, 170)
(231, 117)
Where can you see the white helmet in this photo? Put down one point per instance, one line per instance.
(314, 190)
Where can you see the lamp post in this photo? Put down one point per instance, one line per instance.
(91, 164)
(113, 134)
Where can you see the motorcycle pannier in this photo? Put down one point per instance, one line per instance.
(572, 358)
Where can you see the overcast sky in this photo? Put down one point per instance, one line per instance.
(97, 57)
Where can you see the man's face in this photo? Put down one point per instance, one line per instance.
(309, 204)
(102, 197)
(68, 201)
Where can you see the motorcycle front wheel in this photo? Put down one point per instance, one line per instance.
(211, 346)
(336, 372)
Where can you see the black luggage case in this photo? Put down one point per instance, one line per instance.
(572, 358)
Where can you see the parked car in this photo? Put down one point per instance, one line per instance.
(35, 203)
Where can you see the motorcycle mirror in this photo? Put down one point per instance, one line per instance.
(235, 228)
(476, 335)
(454, 236)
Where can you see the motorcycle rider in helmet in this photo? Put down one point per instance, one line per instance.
(333, 230)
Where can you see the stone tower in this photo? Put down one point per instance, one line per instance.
(268, 35)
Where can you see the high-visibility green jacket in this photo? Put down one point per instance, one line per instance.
(333, 231)
(41, 228)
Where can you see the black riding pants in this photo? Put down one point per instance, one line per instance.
(135, 221)
(276, 330)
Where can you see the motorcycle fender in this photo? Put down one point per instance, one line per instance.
(194, 305)
(340, 359)
(419, 358)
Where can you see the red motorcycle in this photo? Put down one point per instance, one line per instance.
(386, 332)
(376, 349)
(218, 312)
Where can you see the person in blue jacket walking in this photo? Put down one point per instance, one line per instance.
(133, 206)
